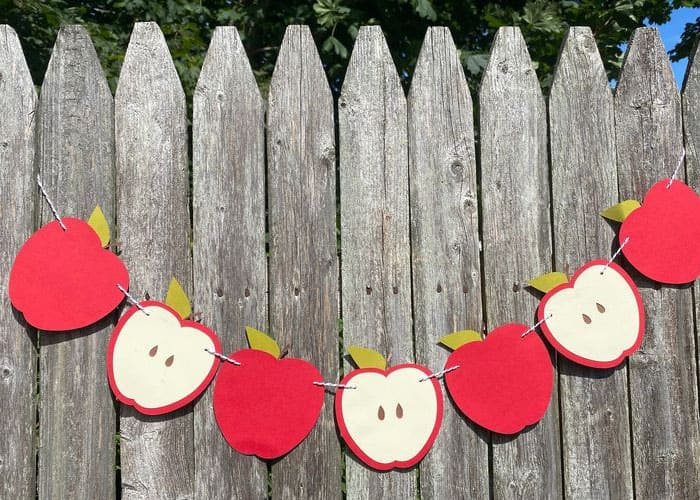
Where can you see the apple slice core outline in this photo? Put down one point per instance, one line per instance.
(163, 409)
(564, 351)
(352, 444)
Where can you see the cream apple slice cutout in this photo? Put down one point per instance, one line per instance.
(389, 417)
(597, 318)
(158, 362)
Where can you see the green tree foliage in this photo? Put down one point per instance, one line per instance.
(188, 24)
(691, 33)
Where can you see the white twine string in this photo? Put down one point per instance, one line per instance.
(532, 328)
(678, 167)
(617, 252)
(132, 300)
(439, 374)
(337, 386)
(222, 357)
(51, 205)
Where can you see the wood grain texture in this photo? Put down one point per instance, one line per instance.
(690, 101)
(157, 453)
(376, 273)
(76, 163)
(445, 251)
(17, 207)
(517, 243)
(662, 376)
(303, 265)
(596, 448)
(230, 267)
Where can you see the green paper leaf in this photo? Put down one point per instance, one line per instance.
(546, 282)
(98, 222)
(619, 212)
(178, 300)
(262, 342)
(457, 339)
(367, 358)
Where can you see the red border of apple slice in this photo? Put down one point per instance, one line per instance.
(396, 464)
(183, 323)
(574, 357)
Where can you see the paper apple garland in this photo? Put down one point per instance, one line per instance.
(266, 406)
(596, 319)
(65, 279)
(664, 232)
(504, 382)
(391, 416)
(158, 362)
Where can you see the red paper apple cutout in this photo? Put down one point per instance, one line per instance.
(504, 382)
(267, 405)
(390, 417)
(597, 319)
(158, 362)
(64, 280)
(664, 234)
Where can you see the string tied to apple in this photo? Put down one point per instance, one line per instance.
(532, 328)
(617, 252)
(439, 374)
(223, 357)
(334, 385)
(678, 167)
(132, 300)
(51, 205)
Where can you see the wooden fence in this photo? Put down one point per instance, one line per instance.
(434, 238)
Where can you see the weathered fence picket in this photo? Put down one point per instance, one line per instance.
(662, 376)
(17, 341)
(445, 251)
(153, 220)
(596, 446)
(75, 129)
(404, 282)
(230, 268)
(303, 264)
(691, 127)
(376, 273)
(517, 243)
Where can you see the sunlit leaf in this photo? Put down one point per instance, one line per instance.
(547, 282)
(457, 339)
(619, 212)
(98, 222)
(262, 341)
(178, 300)
(367, 358)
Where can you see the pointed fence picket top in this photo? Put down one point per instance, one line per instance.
(157, 453)
(230, 267)
(517, 242)
(17, 204)
(691, 128)
(445, 250)
(376, 293)
(691, 117)
(662, 378)
(303, 263)
(75, 131)
(596, 446)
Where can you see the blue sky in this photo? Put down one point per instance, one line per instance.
(671, 35)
